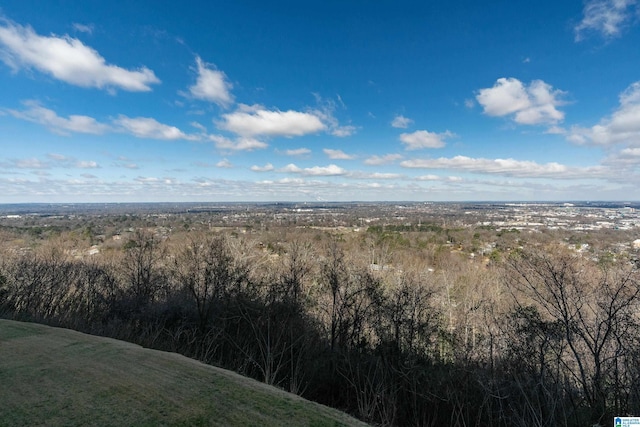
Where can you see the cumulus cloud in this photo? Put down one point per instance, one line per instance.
(146, 127)
(239, 144)
(290, 168)
(256, 120)
(331, 170)
(606, 17)
(266, 168)
(624, 162)
(424, 139)
(211, 85)
(382, 160)
(401, 122)
(623, 126)
(224, 164)
(509, 167)
(36, 113)
(67, 59)
(530, 105)
(337, 154)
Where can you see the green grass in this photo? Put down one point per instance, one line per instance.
(57, 377)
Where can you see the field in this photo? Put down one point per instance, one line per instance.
(54, 377)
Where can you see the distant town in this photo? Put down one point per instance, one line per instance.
(574, 216)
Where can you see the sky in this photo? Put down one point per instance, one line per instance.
(321, 100)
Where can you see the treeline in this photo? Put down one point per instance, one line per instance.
(422, 337)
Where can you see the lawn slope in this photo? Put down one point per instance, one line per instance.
(54, 377)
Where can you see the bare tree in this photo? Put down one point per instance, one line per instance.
(596, 311)
(142, 264)
(206, 269)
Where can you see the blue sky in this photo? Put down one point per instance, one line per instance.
(146, 101)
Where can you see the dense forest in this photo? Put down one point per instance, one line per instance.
(418, 325)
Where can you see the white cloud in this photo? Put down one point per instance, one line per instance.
(297, 152)
(429, 177)
(146, 127)
(199, 126)
(556, 130)
(225, 164)
(67, 59)
(55, 160)
(424, 139)
(532, 105)
(343, 131)
(266, 168)
(23, 187)
(255, 120)
(401, 122)
(87, 164)
(607, 17)
(147, 179)
(330, 170)
(631, 95)
(382, 160)
(623, 126)
(337, 154)
(211, 85)
(36, 113)
(70, 162)
(57, 157)
(240, 144)
(509, 167)
(625, 162)
(376, 175)
(83, 28)
(31, 163)
(326, 113)
(505, 97)
(290, 168)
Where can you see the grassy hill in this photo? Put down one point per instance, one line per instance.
(54, 377)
